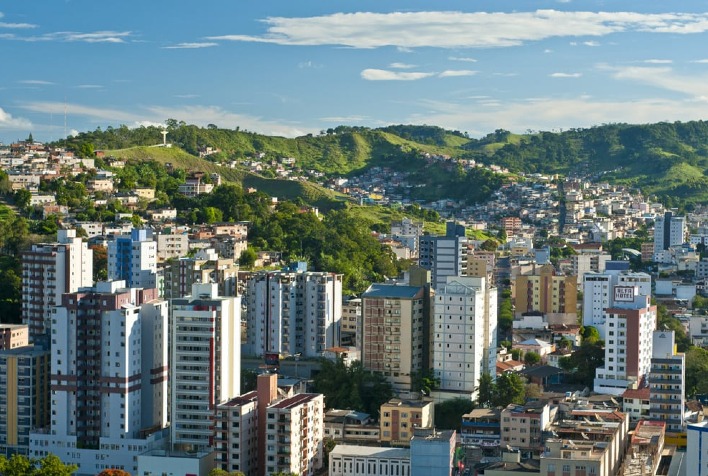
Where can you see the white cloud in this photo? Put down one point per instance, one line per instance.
(552, 114)
(591, 43)
(547, 50)
(15, 25)
(73, 36)
(701, 61)
(89, 86)
(190, 46)
(36, 82)
(344, 119)
(658, 61)
(565, 75)
(308, 64)
(199, 115)
(505, 75)
(662, 77)
(450, 73)
(463, 58)
(401, 66)
(7, 121)
(186, 96)
(451, 29)
(385, 75)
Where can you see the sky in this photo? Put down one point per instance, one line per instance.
(292, 67)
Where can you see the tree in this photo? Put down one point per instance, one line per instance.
(223, 472)
(248, 258)
(590, 335)
(249, 380)
(490, 245)
(49, 465)
(509, 389)
(485, 394)
(425, 382)
(448, 414)
(22, 198)
(532, 358)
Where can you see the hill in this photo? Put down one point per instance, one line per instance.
(668, 160)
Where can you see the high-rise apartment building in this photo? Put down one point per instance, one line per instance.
(293, 312)
(395, 321)
(669, 231)
(444, 255)
(598, 294)
(267, 431)
(629, 325)
(667, 382)
(13, 335)
(350, 329)
(50, 270)
(547, 292)
(108, 377)
(24, 396)
(463, 334)
(205, 363)
(133, 259)
(204, 267)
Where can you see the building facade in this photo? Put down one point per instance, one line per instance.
(444, 255)
(50, 270)
(108, 377)
(394, 332)
(398, 419)
(293, 312)
(547, 292)
(667, 382)
(205, 363)
(133, 259)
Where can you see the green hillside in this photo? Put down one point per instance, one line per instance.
(668, 160)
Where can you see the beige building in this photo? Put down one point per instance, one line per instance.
(545, 291)
(522, 426)
(394, 319)
(350, 330)
(171, 246)
(398, 418)
(13, 335)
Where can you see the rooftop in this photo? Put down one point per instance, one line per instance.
(391, 291)
(295, 401)
(368, 451)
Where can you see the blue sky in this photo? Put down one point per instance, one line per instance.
(291, 67)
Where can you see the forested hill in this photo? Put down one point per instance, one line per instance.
(669, 160)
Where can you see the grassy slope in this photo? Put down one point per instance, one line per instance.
(287, 189)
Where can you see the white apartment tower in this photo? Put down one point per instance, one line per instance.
(598, 294)
(133, 259)
(50, 270)
(108, 377)
(205, 362)
(669, 231)
(629, 325)
(463, 334)
(444, 255)
(293, 312)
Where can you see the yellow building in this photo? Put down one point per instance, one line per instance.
(398, 418)
(545, 291)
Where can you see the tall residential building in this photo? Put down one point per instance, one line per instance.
(697, 448)
(598, 294)
(267, 431)
(293, 312)
(394, 322)
(351, 330)
(444, 255)
(669, 231)
(407, 232)
(24, 396)
(108, 377)
(667, 382)
(629, 325)
(205, 362)
(547, 292)
(172, 245)
(133, 259)
(463, 334)
(50, 270)
(204, 267)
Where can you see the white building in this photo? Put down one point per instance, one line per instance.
(133, 259)
(172, 246)
(444, 255)
(697, 449)
(236, 434)
(108, 378)
(463, 333)
(293, 312)
(48, 271)
(628, 341)
(669, 231)
(205, 364)
(598, 294)
(352, 460)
